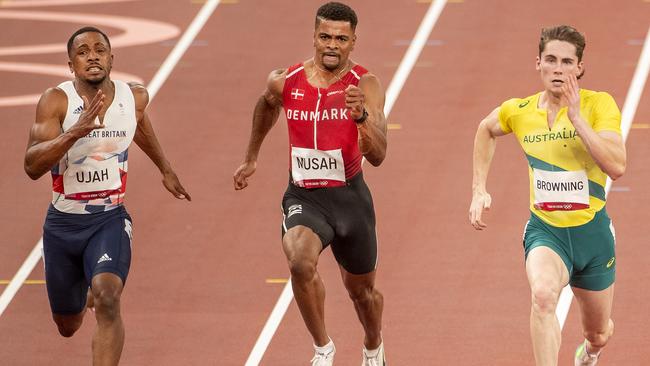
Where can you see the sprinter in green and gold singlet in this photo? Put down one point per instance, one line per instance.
(572, 140)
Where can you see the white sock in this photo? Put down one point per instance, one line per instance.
(329, 347)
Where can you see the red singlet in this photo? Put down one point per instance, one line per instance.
(323, 139)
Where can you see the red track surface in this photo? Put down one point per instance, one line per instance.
(197, 295)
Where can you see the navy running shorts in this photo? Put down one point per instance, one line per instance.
(77, 247)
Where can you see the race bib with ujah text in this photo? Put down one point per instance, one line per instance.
(92, 179)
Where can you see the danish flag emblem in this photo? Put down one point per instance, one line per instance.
(297, 94)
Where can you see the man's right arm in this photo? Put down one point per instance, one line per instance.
(484, 145)
(47, 144)
(267, 110)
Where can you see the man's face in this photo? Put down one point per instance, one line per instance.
(333, 41)
(90, 57)
(556, 63)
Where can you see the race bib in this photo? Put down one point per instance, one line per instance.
(565, 191)
(92, 179)
(312, 168)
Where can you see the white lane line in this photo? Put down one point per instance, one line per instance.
(634, 94)
(20, 276)
(563, 305)
(271, 326)
(396, 84)
(627, 116)
(182, 45)
(636, 88)
(412, 54)
(155, 84)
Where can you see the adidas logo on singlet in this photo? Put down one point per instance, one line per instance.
(78, 110)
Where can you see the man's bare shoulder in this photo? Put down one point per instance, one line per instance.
(278, 74)
(53, 101)
(140, 94)
(369, 79)
(54, 94)
(275, 86)
(138, 88)
(275, 80)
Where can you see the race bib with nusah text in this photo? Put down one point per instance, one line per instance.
(312, 168)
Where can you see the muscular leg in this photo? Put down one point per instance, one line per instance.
(368, 302)
(69, 324)
(595, 312)
(302, 248)
(547, 275)
(108, 339)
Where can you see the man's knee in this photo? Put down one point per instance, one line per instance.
(66, 330)
(107, 289)
(302, 248)
(363, 292)
(68, 324)
(544, 297)
(302, 269)
(107, 303)
(599, 338)
(365, 295)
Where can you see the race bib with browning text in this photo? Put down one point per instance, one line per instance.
(562, 190)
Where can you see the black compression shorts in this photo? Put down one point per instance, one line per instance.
(342, 217)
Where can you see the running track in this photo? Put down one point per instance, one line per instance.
(198, 292)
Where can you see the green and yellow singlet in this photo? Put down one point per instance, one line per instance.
(567, 187)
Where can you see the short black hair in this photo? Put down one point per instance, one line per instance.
(338, 12)
(85, 30)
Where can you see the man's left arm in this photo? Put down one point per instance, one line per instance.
(606, 147)
(365, 104)
(146, 139)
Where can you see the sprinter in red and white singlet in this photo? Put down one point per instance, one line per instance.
(323, 138)
(334, 112)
